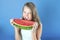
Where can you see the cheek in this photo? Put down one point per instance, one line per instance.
(30, 17)
(24, 14)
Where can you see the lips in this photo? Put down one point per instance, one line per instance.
(26, 18)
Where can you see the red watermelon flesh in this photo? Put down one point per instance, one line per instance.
(23, 22)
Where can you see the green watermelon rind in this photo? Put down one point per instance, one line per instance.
(23, 27)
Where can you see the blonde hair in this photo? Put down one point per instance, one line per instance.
(34, 12)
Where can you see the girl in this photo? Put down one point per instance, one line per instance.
(29, 13)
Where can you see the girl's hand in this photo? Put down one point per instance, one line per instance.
(11, 22)
(17, 31)
(35, 26)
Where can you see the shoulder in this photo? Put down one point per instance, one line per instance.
(40, 25)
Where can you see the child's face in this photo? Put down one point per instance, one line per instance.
(27, 14)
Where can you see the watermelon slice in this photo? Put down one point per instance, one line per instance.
(23, 24)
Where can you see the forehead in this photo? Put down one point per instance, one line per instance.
(27, 9)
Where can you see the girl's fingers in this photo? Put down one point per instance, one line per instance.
(35, 26)
(11, 22)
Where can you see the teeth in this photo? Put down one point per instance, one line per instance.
(26, 17)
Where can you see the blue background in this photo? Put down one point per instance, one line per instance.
(48, 11)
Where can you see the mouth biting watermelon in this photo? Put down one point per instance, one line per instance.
(23, 24)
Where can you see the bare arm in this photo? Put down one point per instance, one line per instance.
(34, 29)
(17, 34)
(36, 34)
(39, 32)
(17, 31)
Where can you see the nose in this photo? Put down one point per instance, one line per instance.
(26, 14)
